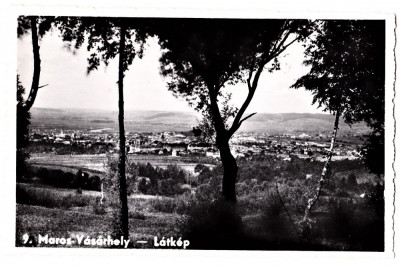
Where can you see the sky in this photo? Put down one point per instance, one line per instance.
(145, 89)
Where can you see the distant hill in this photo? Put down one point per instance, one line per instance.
(156, 121)
(89, 119)
(298, 122)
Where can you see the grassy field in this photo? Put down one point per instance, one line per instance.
(272, 195)
(63, 213)
(98, 162)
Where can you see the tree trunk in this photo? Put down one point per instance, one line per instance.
(122, 154)
(230, 170)
(222, 140)
(314, 199)
(36, 65)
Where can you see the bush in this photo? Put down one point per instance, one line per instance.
(162, 181)
(179, 204)
(43, 174)
(137, 215)
(343, 194)
(164, 205)
(276, 226)
(99, 209)
(214, 225)
(69, 179)
(94, 183)
(251, 203)
(169, 187)
(352, 181)
(50, 199)
(241, 189)
(143, 187)
(59, 178)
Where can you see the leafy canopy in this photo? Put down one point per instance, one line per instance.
(102, 36)
(347, 59)
(347, 68)
(201, 56)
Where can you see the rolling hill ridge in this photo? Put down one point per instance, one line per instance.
(156, 121)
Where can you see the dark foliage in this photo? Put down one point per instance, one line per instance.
(213, 225)
(23, 121)
(147, 179)
(277, 228)
(347, 76)
(374, 152)
(60, 179)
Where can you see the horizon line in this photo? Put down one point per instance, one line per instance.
(152, 110)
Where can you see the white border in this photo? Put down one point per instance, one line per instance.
(249, 9)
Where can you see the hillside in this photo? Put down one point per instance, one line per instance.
(298, 122)
(156, 121)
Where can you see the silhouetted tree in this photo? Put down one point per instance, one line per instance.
(23, 121)
(202, 56)
(38, 26)
(107, 38)
(346, 76)
(374, 151)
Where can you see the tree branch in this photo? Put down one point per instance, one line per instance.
(284, 27)
(278, 46)
(247, 117)
(252, 88)
(286, 210)
(251, 71)
(284, 47)
(238, 121)
(43, 86)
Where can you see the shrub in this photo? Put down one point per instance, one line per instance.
(213, 225)
(352, 181)
(164, 205)
(43, 174)
(276, 226)
(137, 215)
(143, 187)
(59, 178)
(50, 199)
(251, 203)
(169, 187)
(241, 189)
(69, 179)
(257, 188)
(342, 194)
(375, 199)
(94, 183)
(99, 209)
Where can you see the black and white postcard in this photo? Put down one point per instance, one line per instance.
(179, 134)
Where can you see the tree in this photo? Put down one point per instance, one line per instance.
(23, 121)
(107, 38)
(202, 56)
(38, 27)
(346, 77)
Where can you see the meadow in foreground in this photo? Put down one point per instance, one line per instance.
(272, 195)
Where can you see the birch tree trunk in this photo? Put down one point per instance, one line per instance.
(321, 181)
